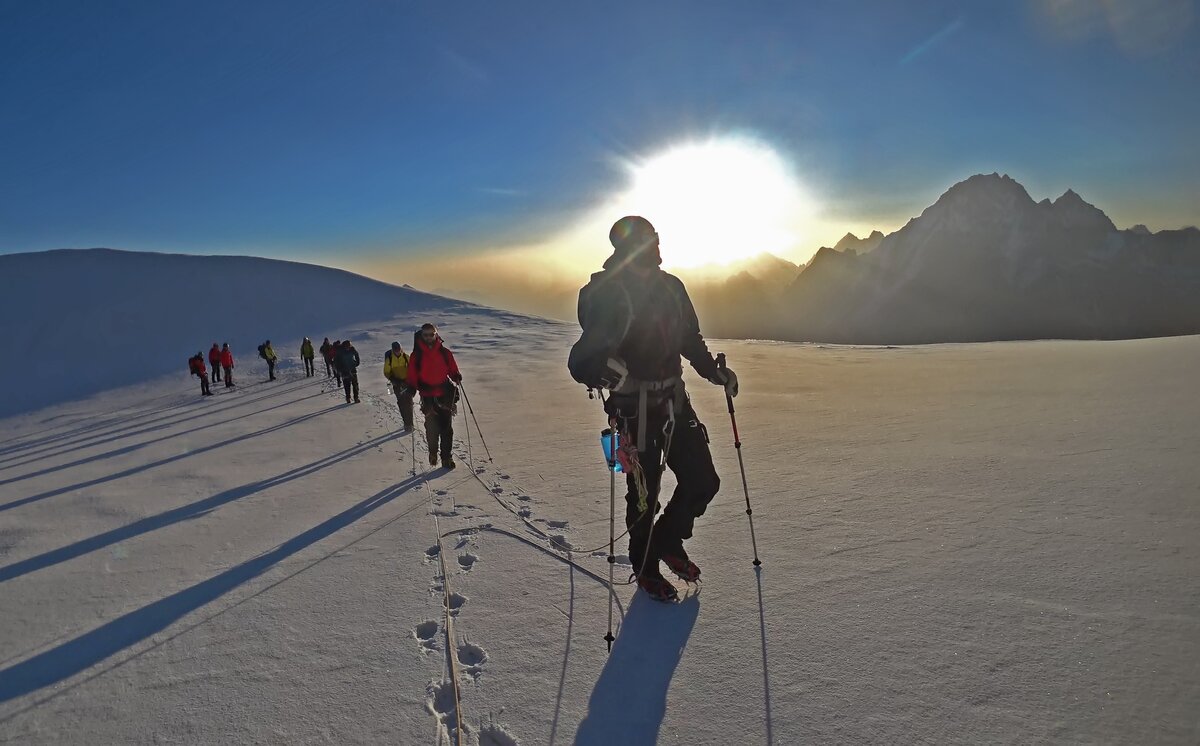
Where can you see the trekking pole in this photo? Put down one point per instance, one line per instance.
(467, 399)
(737, 446)
(612, 522)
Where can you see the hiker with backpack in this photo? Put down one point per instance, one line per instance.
(332, 354)
(214, 359)
(433, 373)
(327, 355)
(196, 367)
(267, 353)
(347, 364)
(637, 321)
(395, 370)
(227, 364)
(307, 355)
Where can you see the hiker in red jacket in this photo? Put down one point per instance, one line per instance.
(433, 372)
(196, 366)
(227, 364)
(214, 359)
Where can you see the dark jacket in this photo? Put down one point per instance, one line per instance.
(647, 321)
(346, 360)
(431, 367)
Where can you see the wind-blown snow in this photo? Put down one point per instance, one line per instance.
(962, 543)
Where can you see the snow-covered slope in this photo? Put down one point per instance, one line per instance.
(81, 321)
(982, 543)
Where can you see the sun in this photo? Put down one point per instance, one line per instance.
(719, 201)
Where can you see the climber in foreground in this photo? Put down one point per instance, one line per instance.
(637, 321)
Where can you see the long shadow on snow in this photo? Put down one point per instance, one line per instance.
(126, 429)
(90, 648)
(182, 513)
(138, 446)
(762, 630)
(86, 424)
(178, 457)
(630, 698)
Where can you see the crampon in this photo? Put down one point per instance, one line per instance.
(658, 588)
(683, 567)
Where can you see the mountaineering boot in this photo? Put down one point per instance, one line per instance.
(448, 462)
(682, 566)
(433, 458)
(657, 587)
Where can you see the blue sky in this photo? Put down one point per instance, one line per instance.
(336, 131)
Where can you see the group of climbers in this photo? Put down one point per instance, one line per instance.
(220, 358)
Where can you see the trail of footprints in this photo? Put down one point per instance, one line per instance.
(429, 635)
(439, 695)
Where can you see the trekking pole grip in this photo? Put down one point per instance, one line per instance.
(728, 399)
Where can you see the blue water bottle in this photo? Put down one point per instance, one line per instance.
(610, 441)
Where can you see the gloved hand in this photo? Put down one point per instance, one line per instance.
(613, 375)
(727, 378)
(456, 377)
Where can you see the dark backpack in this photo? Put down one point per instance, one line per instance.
(262, 351)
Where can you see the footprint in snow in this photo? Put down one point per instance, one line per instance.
(467, 561)
(456, 602)
(621, 559)
(524, 498)
(525, 512)
(426, 634)
(439, 700)
(493, 735)
(431, 553)
(472, 657)
(445, 512)
(556, 524)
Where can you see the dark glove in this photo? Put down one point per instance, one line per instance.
(727, 378)
(456, 377)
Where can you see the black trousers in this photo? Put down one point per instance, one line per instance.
(404, 400)
(216, 372)
(204, 385)
(328, 368)
(350, 380)
(439, 426)
(696, 481)
(309, 368)
(228, 376)
(271, 369)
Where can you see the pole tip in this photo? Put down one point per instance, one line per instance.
(757, 562)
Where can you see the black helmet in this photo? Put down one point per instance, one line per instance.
(631, 234)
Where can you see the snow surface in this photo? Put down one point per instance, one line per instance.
(960, 543)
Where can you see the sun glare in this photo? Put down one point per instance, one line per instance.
(719, 201)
